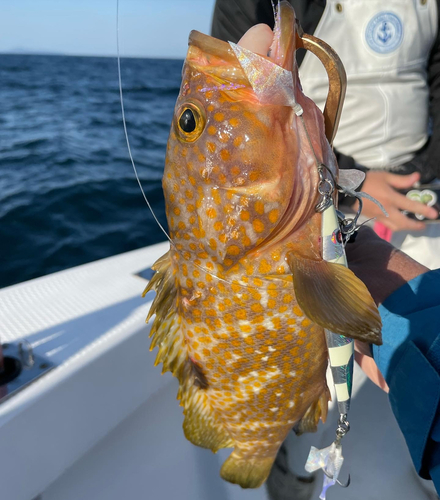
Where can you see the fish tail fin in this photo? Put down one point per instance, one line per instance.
(246, 472)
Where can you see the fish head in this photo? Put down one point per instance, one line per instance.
(240, 171)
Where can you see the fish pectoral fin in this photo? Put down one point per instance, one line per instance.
(333, 297)
(317, 410)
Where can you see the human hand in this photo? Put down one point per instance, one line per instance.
(258, 39)
(383, 187)
(383, 269)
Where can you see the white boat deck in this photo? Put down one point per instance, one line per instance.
(105, 425)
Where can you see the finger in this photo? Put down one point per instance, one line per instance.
(404, 203)
(397, 221)
(258, 39)
(370, 368)
(403, 181)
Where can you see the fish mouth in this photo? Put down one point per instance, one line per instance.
(217, 59)
(283, 47)
(279, 46)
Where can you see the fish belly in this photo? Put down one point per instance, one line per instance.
(263, 362)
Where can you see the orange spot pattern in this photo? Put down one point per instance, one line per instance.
(256, 369)
(263, 360)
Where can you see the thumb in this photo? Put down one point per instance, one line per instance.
(257, 39)
(403, 181)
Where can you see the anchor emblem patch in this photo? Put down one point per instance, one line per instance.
(384, 32)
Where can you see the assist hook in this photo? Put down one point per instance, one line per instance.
(342, 485)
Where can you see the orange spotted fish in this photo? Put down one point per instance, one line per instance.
(244, 295)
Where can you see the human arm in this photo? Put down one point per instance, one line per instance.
(383, 269)
(409, 359)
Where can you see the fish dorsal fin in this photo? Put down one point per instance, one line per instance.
(333, 297)
(200, 425)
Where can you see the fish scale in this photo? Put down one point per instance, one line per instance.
(244, 295)
(260, 382)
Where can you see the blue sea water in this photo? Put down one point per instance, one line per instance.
(68, 194)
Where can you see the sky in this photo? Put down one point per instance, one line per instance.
(148, 28)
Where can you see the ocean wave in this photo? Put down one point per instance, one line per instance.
(68, 194)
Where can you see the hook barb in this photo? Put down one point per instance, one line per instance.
(342, 485)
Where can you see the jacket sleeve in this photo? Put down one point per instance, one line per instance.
(427, 160)
(232, 18)
(409, 359)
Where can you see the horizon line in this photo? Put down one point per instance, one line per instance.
(63, 54)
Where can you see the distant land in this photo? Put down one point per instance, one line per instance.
(24, 50)
(30, 52)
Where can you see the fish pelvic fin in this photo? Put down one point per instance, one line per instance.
(333, 297)
(199, 424)
(317, 410)
(246, 472)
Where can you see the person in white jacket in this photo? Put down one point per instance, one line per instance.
(390, 124)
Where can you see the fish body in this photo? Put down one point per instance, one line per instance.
(239, 319)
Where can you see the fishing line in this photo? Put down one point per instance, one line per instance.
(121, 98)
(126, 133)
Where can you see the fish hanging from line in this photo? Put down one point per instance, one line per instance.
(244, 294)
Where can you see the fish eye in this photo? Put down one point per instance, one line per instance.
(190, 121)
(187, 121)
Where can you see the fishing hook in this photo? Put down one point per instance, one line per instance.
(349, 226)
(342, 485)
